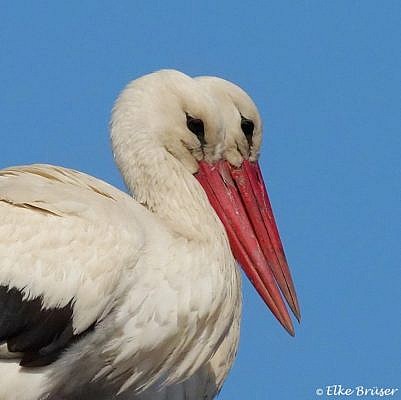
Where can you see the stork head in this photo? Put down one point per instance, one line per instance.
(166, 110)
(255, 241)
(167, 127)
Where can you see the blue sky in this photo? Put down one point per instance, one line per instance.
(326, 77)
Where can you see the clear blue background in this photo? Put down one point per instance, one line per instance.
(326, 77)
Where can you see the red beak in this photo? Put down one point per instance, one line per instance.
(240, 199)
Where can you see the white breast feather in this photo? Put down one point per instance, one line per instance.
(62, 240)
(68, 235)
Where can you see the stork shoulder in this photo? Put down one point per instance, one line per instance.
(59, 191)
(66, 242)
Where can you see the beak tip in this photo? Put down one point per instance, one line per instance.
(297, 312)
(290, 330)
(286, 322)
(298, 317)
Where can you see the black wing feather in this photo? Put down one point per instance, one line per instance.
(14, 314)
(40, 334)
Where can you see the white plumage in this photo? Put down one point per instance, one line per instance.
(152, 284)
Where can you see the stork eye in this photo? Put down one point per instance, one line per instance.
(195, 125)
(247, 127)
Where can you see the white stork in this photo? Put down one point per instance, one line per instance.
(104, 296)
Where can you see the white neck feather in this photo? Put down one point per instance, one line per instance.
(143, 117)
(160, 182)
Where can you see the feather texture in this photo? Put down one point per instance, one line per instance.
(40, 334)
(145, 287)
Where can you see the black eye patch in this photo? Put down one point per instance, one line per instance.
(247, 127)
(195, 125)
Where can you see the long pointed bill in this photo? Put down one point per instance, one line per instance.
(240, 199)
